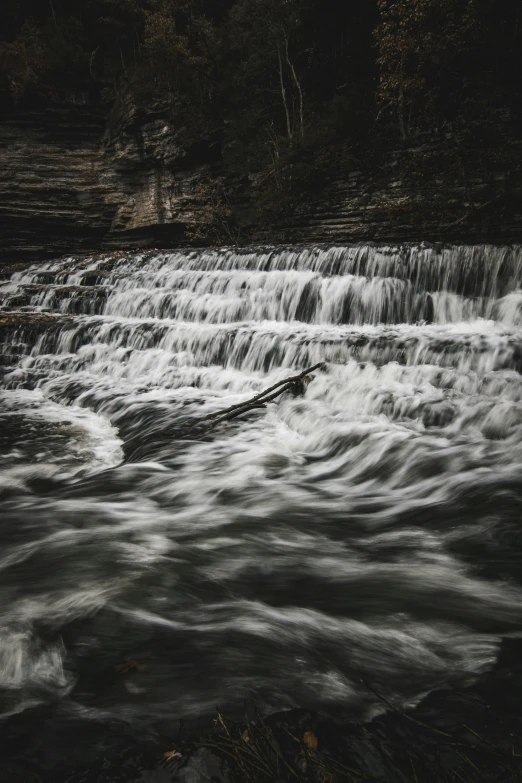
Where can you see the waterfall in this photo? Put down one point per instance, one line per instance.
(368, 529)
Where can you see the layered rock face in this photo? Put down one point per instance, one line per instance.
(74, 177)
(392, 201)
(51, 191)
(148, 179)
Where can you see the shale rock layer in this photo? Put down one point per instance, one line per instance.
(77, 176)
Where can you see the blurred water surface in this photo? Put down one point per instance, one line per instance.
(369, 529)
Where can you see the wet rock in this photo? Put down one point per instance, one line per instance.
(203, 766)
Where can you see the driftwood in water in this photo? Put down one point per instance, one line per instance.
(296, 384)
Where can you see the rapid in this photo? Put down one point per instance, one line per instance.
(369, 529)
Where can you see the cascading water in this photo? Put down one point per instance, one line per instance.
(369, 529)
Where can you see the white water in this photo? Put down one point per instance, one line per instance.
(368, 529)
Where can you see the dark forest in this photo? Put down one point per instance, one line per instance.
(281, 98)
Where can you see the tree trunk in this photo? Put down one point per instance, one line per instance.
(401, 112)
(297, 84)
(283, 94)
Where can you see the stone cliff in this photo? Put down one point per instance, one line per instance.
(75, 177)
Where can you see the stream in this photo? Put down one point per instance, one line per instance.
(369, 529)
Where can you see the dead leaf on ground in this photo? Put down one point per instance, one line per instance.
(329, 777)
(172, 754)
(310, 740)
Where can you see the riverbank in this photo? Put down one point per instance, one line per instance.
(473, 734)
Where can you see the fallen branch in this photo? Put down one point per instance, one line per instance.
(296, 384)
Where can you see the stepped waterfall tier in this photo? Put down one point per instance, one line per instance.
(367, 530)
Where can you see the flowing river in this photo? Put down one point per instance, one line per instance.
(368, 529)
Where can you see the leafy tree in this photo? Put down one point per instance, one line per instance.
(419, 43)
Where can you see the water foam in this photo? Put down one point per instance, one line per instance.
(365, 529)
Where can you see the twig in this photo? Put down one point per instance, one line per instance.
(463, 756)
(214, 419)
(258, 397)
(482, 739)
(402, 714)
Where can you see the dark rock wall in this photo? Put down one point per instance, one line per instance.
(148, 179)
(51, 190)
(392, 199)
(75, 178)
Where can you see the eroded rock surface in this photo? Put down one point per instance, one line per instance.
(76, 176)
